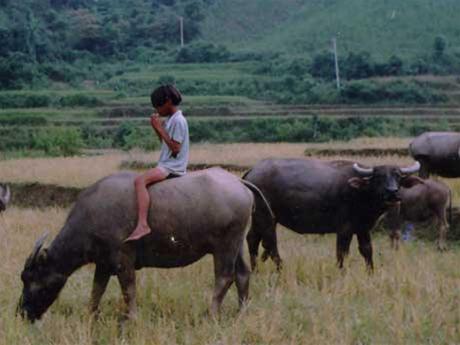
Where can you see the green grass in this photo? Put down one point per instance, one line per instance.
(52, 113)
(406, 28)
(189, 100)
(100, 93)
(206, 72)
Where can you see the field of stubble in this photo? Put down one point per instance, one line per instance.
(412, 298)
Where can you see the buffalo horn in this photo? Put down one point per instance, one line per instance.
(412, 169)
(38, 245)
(363, 171)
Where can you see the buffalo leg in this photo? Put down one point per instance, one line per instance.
(127, 279)
(365, 248)
(242, 274)
(263, 229)
(395, 236)
(393, 218)
(100, 281)
(224, 271)
(443, 226)
(343, 246)
(253, 238)
(270, 244)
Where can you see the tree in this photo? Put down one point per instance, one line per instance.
(322, 66)
(395, 65)
(358, 66)
(439, 46)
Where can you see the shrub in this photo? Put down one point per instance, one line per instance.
(79, 100)
(128, 136)
(166, 79)
(94, 137)
(23, 100)
(141, 138)
(58, 141)
(203, 52)
(16, 70)
(23, 120)
(363, 91)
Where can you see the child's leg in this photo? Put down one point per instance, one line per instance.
(143, 200)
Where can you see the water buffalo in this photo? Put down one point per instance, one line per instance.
(313, 196)
(438, 153)
(423, 202)
(5, 196)
(205, 212)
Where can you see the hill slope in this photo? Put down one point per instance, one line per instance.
(382, 27)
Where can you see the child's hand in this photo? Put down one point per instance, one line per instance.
(155, 121)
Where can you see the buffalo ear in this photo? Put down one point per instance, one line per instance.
(358, 182)
(410, 181)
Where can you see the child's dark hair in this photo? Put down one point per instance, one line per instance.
(161, 95)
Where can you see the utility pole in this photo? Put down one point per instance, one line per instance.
(337, 76)
(181, 23)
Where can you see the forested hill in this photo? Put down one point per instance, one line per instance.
(407, 28)
(65, 29)
(62, 40)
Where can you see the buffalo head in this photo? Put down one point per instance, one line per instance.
(42, 282)
(384, 181)
(5, 196)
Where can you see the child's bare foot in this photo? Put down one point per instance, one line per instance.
(139, 232)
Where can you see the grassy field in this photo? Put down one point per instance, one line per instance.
(82, 171)
(412, 298)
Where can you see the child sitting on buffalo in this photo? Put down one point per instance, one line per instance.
(174, 137)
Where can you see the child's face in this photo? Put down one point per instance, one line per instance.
(166, 109)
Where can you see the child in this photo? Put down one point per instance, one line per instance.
(174, 138)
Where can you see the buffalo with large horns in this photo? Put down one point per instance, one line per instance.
(438, 153)
(206, 212)
(316, 197)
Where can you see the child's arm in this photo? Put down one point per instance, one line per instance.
(173, 145)
(151, 123)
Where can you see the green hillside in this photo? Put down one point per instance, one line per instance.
(382, 27)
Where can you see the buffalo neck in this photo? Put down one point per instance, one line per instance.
(68, 252)
(368, 206)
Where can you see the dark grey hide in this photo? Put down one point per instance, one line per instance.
(316, 197)
(425, 202)
(201, 213)
(438, 153)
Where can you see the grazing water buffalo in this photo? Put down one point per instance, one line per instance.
(421, 203)
(5, 196)
(312, 196)
(205, 212)
(438, 153)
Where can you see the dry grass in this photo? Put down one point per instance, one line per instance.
(411, 299)
(73, 171)
(82, 171)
